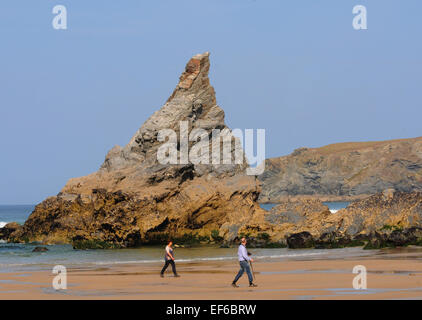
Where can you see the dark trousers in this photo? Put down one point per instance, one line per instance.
(173, 266)
(244, 266)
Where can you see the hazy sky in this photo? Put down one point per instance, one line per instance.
(296, 68)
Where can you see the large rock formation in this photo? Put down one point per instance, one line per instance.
(344, 171)
(384, 219)
(134, 199)
(384, 211)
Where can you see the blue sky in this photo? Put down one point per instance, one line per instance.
(296, 68)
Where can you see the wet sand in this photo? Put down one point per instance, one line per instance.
(387, 278)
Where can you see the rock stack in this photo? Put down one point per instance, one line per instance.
(134, 198)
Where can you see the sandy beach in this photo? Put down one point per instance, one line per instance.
(387, 278)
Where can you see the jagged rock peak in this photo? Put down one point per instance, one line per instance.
(197, 68)
(193, 100)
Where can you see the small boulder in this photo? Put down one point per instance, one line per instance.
(40, 249)
(300, 240)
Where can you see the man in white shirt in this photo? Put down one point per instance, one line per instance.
(244, 259)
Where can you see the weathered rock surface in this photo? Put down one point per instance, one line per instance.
(297, 212)
(380, 212)
(383, 220)
(344, 171)
(290, 218)
(395, 238)
(133, 199)
(8, 229)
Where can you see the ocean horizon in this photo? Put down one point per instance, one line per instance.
(15, 213)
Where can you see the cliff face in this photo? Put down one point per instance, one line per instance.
(344, 171)
(134, 199)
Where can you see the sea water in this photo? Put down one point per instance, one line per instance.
(336, 206)
(267, 206)
(19, 257)
(14, 213)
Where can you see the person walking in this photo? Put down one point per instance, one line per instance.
(244, 259)
(169, 259)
